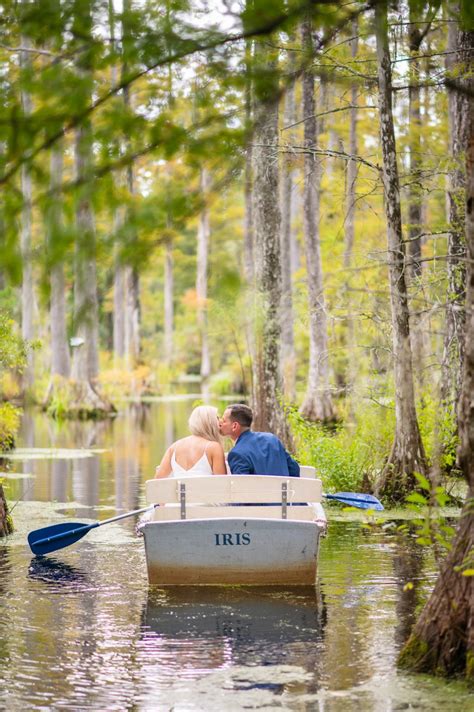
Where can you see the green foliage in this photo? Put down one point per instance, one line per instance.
(12, 346)
(432, 527)
(438, 430)
(9, 424)
(13, 350)
(340, 460)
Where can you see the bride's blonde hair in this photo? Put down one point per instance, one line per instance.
(203, 423)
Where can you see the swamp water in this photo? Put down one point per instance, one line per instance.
(81, 629)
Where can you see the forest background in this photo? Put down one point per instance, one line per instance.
(270, 197)
(129, 143)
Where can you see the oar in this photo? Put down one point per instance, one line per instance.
(48, 539)
(357, 499)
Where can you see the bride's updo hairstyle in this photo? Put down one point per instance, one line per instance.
(203, 422)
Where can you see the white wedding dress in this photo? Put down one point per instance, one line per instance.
(200, 468)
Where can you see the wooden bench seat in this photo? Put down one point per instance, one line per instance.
(216, 496)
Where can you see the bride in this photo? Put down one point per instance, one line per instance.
(201, 453)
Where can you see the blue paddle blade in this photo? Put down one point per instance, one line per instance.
(48, 539)
(357, 499)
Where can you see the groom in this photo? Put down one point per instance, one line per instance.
(254, 453)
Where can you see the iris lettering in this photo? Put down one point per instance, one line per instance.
(237, 539)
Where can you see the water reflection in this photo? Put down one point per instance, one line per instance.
(64, 577)
(28, 434)
(239, 625)
(408, 562)
(113, 644)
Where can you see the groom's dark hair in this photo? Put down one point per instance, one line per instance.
(241, 413)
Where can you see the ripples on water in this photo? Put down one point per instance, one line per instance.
(81, 629)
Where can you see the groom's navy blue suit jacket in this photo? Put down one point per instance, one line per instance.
(261, 454)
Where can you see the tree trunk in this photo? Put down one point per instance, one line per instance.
(249, 228)
(60, 360)
(317, 404)
(269, 413)
(407, 455)
(5, 523)
(27, 294)
(442, 641)
(248, 179)
(288, 357)
(132, 277)
(349, 224)
(87, 402)
(86, 357)
(458, 112)
(168, 304)
(133, 317)
(120, 298)
(415, 199)
(119, 311)
(203, 237)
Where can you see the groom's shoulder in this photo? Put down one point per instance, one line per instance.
(269, 437)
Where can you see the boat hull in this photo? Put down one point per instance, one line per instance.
(232, 551)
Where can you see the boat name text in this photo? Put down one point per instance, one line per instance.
(232, 539)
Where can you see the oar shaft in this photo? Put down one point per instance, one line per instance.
(123, 516)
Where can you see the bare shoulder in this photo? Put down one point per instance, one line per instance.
(181, 441)
(215, 448)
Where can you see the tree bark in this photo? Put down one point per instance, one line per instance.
(269, 413)
(415, 197)
(119, 308)
(60, 360)
(133, 317)
(168, 304)
(248, 179)
(5, 522)
(458, 112)
(349, 223)
(85, 365)
(407, 455)
(132, 277)
(288, 357)
(27, 294)
(87, 402)
(203, 238)
(120, 299)
(317, 404)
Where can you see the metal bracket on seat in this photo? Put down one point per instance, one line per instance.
(182, 499)
(284, 499)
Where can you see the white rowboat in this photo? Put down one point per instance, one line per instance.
(213, 530)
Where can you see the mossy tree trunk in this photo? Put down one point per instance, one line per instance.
(442, 641)
(27, 293)
(5, 521)
(269, 413)
(288, 356)
(458, 111)
(416, 33)
(203, 239)
(349, 336)
(407, 456)
(85, 400)
(317, 404)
